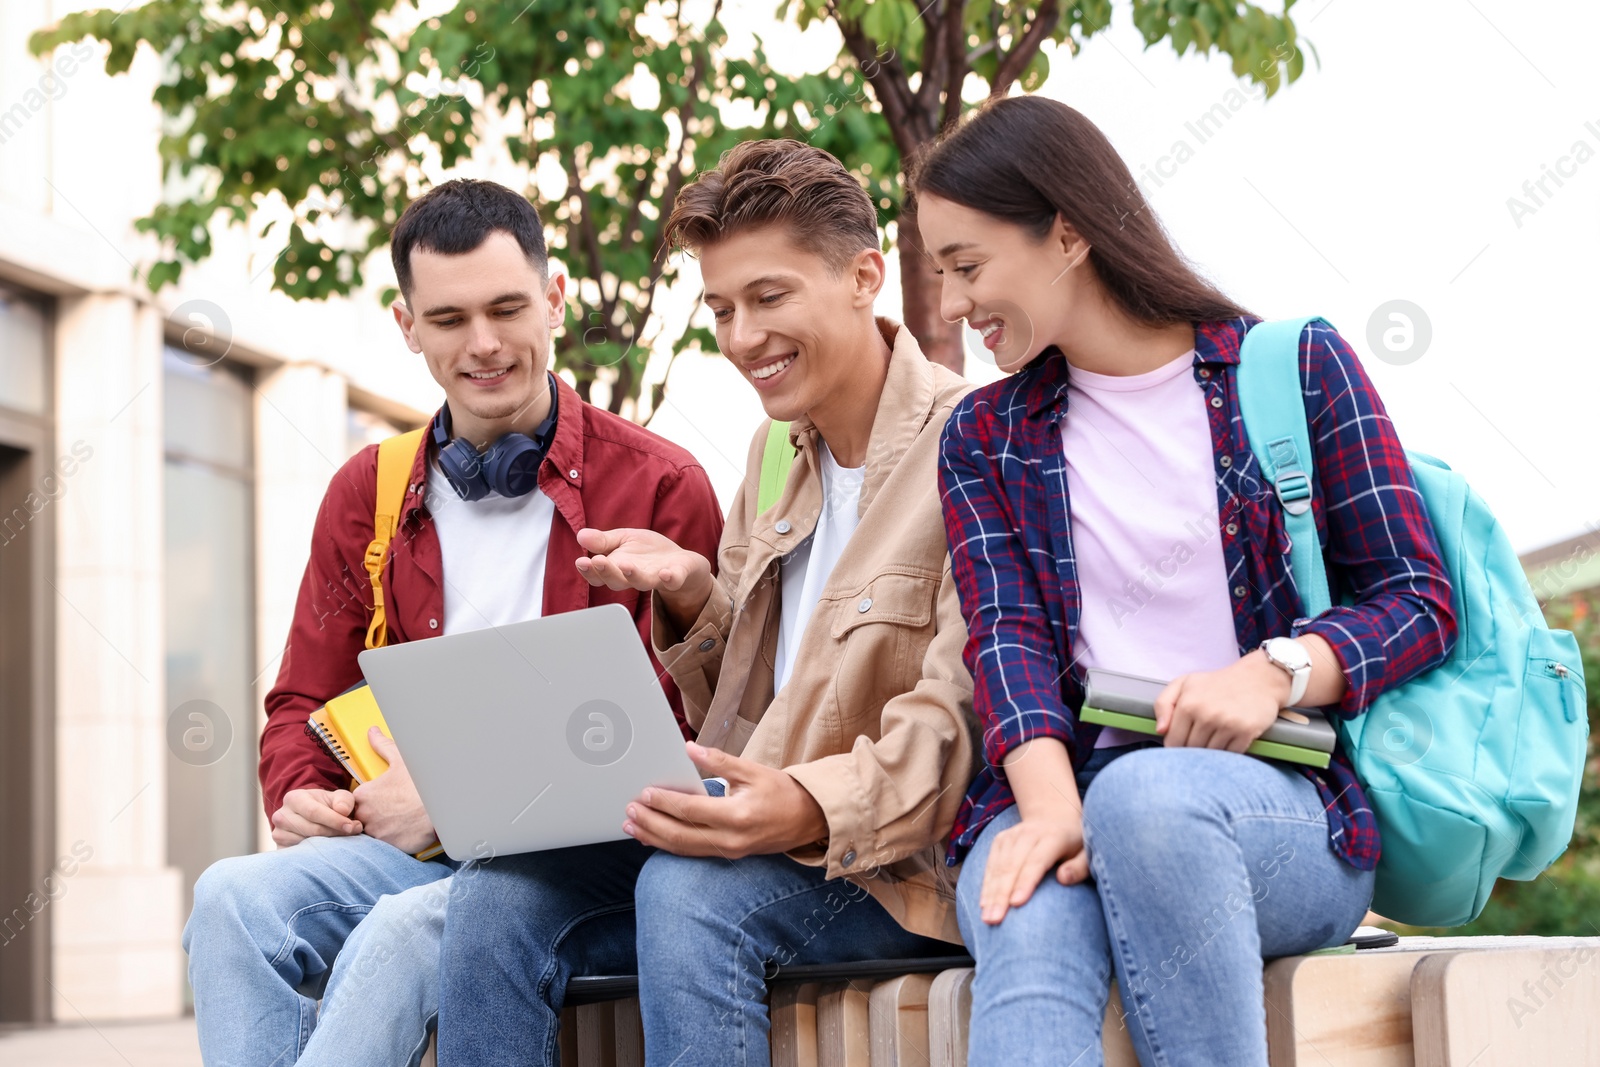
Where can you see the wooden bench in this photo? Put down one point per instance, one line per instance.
(1426, 1002)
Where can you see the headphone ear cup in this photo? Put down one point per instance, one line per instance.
(464, 469)
(511, 465)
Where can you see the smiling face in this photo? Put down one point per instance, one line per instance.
(790, 324)
(483, 320)
(1020, 292)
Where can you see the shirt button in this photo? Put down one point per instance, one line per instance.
(1227, 461)
(783, 526)
(433, 624)
(1239, 590)
(865, 605)
(708, 644)
(573, 473)
(1232, 528)
(1216, 401)
(1204, 373)
(848, 858)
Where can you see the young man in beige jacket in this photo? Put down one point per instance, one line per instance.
(821, 666)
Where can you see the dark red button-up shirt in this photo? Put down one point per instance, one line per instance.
(602, 471)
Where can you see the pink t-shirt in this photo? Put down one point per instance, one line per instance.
(1144, 527)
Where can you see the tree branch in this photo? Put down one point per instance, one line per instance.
(1014, 62)
(955, 71)
(888, 80)
(590, 243)
(631, 223)
(669, 195)
(933, 51)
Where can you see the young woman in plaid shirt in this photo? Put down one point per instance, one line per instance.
(1104, 509)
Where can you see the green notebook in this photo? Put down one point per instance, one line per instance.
(1113, 698)
(1267, 749)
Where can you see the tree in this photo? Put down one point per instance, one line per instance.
(922, 58)
(332, 108)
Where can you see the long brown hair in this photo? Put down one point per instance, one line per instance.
(1026, 159)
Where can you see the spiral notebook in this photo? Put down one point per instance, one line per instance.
(342, 724)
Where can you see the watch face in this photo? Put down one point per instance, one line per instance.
(1289, 652)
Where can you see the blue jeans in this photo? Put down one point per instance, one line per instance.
(262, 940)
(1203, 863)
(708, 930)
(700, 940)
(528, 924)
(382, 998)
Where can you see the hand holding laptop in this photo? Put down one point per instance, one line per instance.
(763, 812)
(531, 736)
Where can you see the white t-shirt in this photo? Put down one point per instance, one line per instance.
(494, 551)
(1144, 527)
(806, 569)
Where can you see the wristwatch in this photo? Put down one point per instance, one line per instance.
(1290, 656)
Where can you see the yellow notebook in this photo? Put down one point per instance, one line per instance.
(341, 725)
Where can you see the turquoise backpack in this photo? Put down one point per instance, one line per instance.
(1472, 768)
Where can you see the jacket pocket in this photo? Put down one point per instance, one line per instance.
(884, 627)
(901, 598)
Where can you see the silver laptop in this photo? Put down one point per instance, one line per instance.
(530, 736)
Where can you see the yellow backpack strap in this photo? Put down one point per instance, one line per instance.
(396, 456)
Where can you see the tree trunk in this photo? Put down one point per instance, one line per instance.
(919, 294)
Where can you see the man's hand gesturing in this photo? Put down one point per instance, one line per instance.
(651, 563)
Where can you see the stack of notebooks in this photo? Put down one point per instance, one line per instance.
(1111, 698)
(341, 725)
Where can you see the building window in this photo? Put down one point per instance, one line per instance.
(210, 611)
(363, 428)
(23, 352)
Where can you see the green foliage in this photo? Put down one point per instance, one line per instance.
(333, 107)
(999, 43)
(927, 61)
(1565, 900)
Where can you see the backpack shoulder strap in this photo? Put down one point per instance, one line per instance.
(776, 459)
(1273, 405)
(396, 456)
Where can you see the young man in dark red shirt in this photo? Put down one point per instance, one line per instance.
(476, 546)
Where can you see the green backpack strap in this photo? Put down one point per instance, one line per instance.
(1274, 409)
(776, 459)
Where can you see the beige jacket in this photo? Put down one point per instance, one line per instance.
(876, 721)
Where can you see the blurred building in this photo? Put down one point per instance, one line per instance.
(161, 461)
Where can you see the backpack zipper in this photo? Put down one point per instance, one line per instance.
(1560, 671)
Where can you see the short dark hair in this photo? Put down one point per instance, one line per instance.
(783, 182)
(454, 218)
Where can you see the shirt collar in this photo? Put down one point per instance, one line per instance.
(566, 449)
(1214, 343)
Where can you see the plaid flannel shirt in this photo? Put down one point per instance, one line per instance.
(1003, 484)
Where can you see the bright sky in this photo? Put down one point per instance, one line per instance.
(1384, 175)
